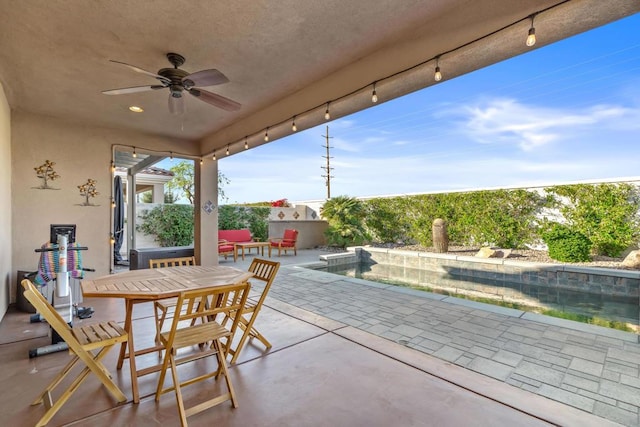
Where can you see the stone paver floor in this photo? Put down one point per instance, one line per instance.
(588, 367)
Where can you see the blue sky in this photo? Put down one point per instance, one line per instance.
(563, 113)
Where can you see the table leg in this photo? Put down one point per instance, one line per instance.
(128, 326)
(128, 308)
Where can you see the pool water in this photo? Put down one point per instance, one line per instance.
(608, 307)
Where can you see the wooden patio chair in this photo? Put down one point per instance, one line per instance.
(88, 344)
(265, 271)
(285, 243)
(161, 308)
(226, 301)
(226, 248)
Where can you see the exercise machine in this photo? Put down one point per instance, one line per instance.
(58, 290)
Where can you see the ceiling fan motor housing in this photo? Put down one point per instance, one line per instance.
(175, 75)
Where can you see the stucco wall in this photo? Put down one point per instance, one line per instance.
(80, 152)
(5, 202)
(310, 233)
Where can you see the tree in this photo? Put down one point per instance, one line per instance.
(345, 216)
(183, 181)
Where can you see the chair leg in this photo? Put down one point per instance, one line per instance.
(92, 365)
(57, 380)
(248, 330)
(159, 318)
(263, 340)
(96, 366)
(163, 372)
(178, 391)
(222, 366)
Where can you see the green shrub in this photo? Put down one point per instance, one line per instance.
(504, 218)
(606, 213)
(255, 219)
(566, 245)
(171, 225)
(386, 220)
(345, 216)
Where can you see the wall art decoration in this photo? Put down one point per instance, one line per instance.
(88, 191)
(46, 173)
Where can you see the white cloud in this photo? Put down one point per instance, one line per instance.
(508, 121)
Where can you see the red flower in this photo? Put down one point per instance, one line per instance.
(279, 203)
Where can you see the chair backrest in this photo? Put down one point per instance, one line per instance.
(226, 300)
(290, 235)
(266, 271)
(46, 310)
(172, 262)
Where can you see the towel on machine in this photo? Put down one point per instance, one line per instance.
(49, 263)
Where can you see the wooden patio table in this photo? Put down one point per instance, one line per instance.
(248, 245)
(138, 286)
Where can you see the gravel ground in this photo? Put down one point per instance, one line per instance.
(528, 255)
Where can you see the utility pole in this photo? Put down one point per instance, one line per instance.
(327, 168)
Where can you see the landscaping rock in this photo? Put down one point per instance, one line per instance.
(486, 252)
(632, 260)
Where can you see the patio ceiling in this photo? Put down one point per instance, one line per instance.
(283, 58)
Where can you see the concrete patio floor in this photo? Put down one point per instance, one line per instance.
(351, 353)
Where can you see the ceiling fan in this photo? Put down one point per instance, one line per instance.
(179, 81)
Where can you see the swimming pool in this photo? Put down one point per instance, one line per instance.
(610, 307)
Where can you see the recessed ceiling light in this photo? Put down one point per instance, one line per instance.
(136, 109)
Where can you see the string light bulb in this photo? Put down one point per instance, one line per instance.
(246, 143)
(112, 239)
(171, 156)
(214, 155)
(327, 116)
(294, 128)
(266, 135)
(113, 166)
(437, 75)
(227, 152)
(374, 95)
(134, 153)
(113, 202)
(201, 160)
(531, 38)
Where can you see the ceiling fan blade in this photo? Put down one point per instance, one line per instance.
(215, 99)
(205, 78)
(133, 89)
(140, 70)
(176, 105)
